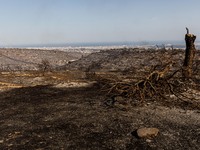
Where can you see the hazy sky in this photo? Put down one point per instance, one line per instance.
(68, 21)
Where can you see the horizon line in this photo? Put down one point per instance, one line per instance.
(142, 42)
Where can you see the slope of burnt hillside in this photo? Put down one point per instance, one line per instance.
(124, 59)
(28, 59)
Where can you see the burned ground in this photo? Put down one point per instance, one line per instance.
(44, 117)
(50, 111)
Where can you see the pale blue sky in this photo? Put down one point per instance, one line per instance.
(68, 21)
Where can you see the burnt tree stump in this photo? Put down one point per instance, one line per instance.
(189, 54)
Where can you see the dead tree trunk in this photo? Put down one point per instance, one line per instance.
(189, 54)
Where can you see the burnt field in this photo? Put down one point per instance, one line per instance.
(88, 104)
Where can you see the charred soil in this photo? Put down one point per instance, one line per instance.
(69, 110)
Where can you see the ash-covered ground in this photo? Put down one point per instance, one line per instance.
(61, 108)
(29, 59)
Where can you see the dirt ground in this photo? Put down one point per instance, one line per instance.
(65, 115)
(58, 111)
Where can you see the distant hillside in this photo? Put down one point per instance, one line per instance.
(30, 58)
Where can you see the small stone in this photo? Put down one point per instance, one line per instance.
(147, 132)
(172, 96)
(148, 141)
(17, 132)
(9, 145)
